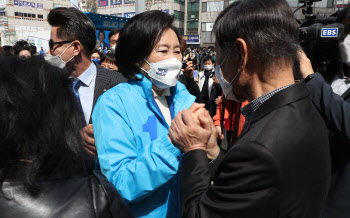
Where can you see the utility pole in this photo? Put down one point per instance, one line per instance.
(140, 6)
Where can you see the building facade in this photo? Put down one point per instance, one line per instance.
(27, 20)
(194, 18)
(126, 9)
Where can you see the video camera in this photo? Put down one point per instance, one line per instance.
(319, 37)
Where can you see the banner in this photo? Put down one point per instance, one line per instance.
(129, 15)
(16, 3)
(102, 3)
(39, 6)
(191, 39)
(117, 15)
(116, 2)
(129, 1)
(32, 4)
(20, 3)
(74, 3)
(102, 38)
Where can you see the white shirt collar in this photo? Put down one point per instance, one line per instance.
(88, 75)
(166, 92)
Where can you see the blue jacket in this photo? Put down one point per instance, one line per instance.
(133, 148)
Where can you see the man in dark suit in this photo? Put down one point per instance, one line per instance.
(332, 99)
(280, 165)
(73, 39)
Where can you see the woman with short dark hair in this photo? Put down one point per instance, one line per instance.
(23, 49)
(41, 168)
(131, 120)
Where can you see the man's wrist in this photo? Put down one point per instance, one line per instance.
(195, 147)
(213, 153)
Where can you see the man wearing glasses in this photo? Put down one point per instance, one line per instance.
(73, 40)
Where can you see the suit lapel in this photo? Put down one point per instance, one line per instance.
(101, 85)
(346, 94)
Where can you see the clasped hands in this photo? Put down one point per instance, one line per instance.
(193, 129)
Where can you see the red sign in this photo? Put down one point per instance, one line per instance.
(102, 3)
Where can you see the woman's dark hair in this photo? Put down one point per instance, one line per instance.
(343, 14)
(102, 55)
(138, 38)
(109, 57)
(74, 25)
(268, 27)
(20, 46)
(39, 123)
(209, 58)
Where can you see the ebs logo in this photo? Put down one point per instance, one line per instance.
(329, 32)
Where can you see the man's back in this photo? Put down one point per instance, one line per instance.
(280, 166)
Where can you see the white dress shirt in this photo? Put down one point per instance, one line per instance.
(340, 83)
(86, 90)
(163, 104)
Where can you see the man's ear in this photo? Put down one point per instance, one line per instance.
(242, 51)
(78, 48)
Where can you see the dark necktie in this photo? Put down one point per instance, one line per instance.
(76, 83)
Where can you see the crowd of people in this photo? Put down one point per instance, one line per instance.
(144, 126)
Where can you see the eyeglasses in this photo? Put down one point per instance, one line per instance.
(51, 43)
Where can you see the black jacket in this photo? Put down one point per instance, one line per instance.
(279, 167)
(191, 87)
(83, 197)
(336, 112)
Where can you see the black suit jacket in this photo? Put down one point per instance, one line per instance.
(105, 79)
(336, 112)
(279, 167)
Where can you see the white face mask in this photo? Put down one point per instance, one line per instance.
(225, 85)
(344, 50)
(208, 67)
(57, 60)
(113, 48)
(164, 74)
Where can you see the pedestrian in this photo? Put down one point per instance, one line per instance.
(280, 166)
(41, 169)
(131, 120)
(73, 38)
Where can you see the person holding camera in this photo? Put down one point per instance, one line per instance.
(332, 99)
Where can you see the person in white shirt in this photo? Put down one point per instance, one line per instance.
(209, 85)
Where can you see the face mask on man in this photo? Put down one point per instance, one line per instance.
(113, 48)
(164, 74)
(344, 50)
(225, 85)
(208, 67)
(57, 60)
